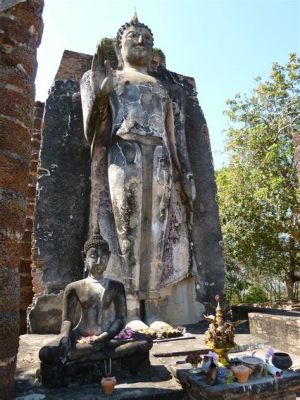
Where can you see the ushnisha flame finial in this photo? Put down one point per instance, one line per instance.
(134, 19)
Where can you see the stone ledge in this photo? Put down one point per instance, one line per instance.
(89, 372)
(256, 389)
(241, 311)
(244, 342)
(282, 331)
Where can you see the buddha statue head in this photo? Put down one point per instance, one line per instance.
(96, 254)
(134, 44)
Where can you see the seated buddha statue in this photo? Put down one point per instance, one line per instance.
(102, 303)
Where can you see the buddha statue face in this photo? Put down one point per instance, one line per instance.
(136, 46)
(96, 261)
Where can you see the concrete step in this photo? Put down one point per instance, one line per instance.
(170, 390)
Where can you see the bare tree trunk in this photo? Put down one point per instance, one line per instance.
(290, 289)
(291, 277)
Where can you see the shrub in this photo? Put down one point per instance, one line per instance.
(255, 294)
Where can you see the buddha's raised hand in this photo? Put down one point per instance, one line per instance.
(101, 76)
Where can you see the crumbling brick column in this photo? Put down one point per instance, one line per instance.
(26, 277)
(20, 35)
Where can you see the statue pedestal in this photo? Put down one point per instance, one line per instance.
(129, 360)
(89, 372)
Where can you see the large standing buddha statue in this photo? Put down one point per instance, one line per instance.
(141, 166)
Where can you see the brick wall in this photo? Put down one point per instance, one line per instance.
(26, 284)
(20, 35)
(73, 65)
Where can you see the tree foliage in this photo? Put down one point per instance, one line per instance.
(258, 190)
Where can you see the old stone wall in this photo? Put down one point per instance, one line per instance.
(62, 133)
(63, 189)
(62, 202)
(62, 205)
(282, 332)
(242, 311)
(36, 264)
(264, 388)
(73, 65)
(20, 35)
(206, 233)
(28, 274)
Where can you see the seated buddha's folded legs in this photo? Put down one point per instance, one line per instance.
(81, 352)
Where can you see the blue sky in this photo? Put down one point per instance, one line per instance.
(224, 44)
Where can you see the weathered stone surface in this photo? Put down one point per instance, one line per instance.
(150, 183)
(242, 311)
(205, 270)
(20, 140)
(45, 314)
(37, 282)
(63, 188)
(25, 262)
(265, 388)
(206, 232)
(9, 327)
(83, 373)
(20, 35)
(146, 195)
(10, 286)
(73, 65)
(6, 4)
(19, 167)
(282, 331)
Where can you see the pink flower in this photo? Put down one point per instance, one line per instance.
(269, 353)
(213, 355)
(125, 334)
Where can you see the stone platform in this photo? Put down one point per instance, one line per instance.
(128, 359)
(263, 388)
(158, 384)
(85, 373)
(276, 327)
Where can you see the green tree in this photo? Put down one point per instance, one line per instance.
(257, 191)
